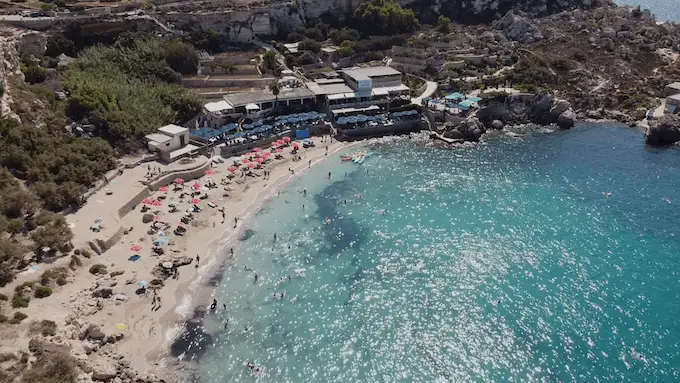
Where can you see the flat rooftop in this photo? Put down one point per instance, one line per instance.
(260, 96)
(368, 72)
(172, 129)
(157, 137)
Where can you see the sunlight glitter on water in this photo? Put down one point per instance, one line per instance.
(505, 262)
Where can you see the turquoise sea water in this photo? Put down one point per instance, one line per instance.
(665, 10)
(552, 258)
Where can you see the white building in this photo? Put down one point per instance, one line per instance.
(361, 87)
(171, 142)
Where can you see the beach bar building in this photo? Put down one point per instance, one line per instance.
(360, 87)
(171, 142)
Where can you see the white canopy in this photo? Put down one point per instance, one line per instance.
(252, 107)
(218, 106)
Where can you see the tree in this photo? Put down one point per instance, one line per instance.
(338, 36)
(269, 60)
(55, 235)
(58, 44)
(35, 74)
(275, 89)
(309, 45)
(444, 24)
(307, 58)
(181, 57)
(48, 7)
(229, 68)
(385, 17)
(346, 49)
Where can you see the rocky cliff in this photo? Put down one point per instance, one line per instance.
(245, 21)
(664, 131)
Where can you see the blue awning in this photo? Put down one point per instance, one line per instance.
(455, 96)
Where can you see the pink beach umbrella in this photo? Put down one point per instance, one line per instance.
(156, 217)
(179, 181)
(245, 161)
(136, 248)
(196, 186)
(252, 165)
(256, 150)
(280, 142)
(157, 203)
(163, 189)
(209, 172)
(195, 201)
(279, 150)
(286, 139)
(147, 201)
(232, 168)
(259, 160)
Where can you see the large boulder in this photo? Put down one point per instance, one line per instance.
(103, 370)
(469, 130)
(32, 43)
(518, 28)
(665, 131)
(566, 119)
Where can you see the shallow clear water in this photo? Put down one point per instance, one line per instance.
(552, 258)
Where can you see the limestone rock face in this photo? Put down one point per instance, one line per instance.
(665, 131)
(33, 43)
(518, 28)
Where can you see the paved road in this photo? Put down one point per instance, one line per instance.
(429, 91)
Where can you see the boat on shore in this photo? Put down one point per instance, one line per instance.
(356, 157)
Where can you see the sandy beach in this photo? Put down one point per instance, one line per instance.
(137, 333)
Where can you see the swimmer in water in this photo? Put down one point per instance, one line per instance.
(256, 278)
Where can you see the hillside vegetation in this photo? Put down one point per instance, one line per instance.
(124, 91)
(130, 89)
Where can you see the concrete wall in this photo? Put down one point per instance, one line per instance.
(186, 175)
(133, 202)
(399, 128)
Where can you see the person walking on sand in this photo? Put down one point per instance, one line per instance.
(198, 260)
(153, 301)
(310, 163)
(213, 306)
(158, 299)
(235, 222)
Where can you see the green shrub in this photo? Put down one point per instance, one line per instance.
(48, 327)
(86, 253)
(98, 269)
(19, 300)
(54, 367)
(61, 281)
(42, 292)
(76, 251)
(35, 74)
(18, 317)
